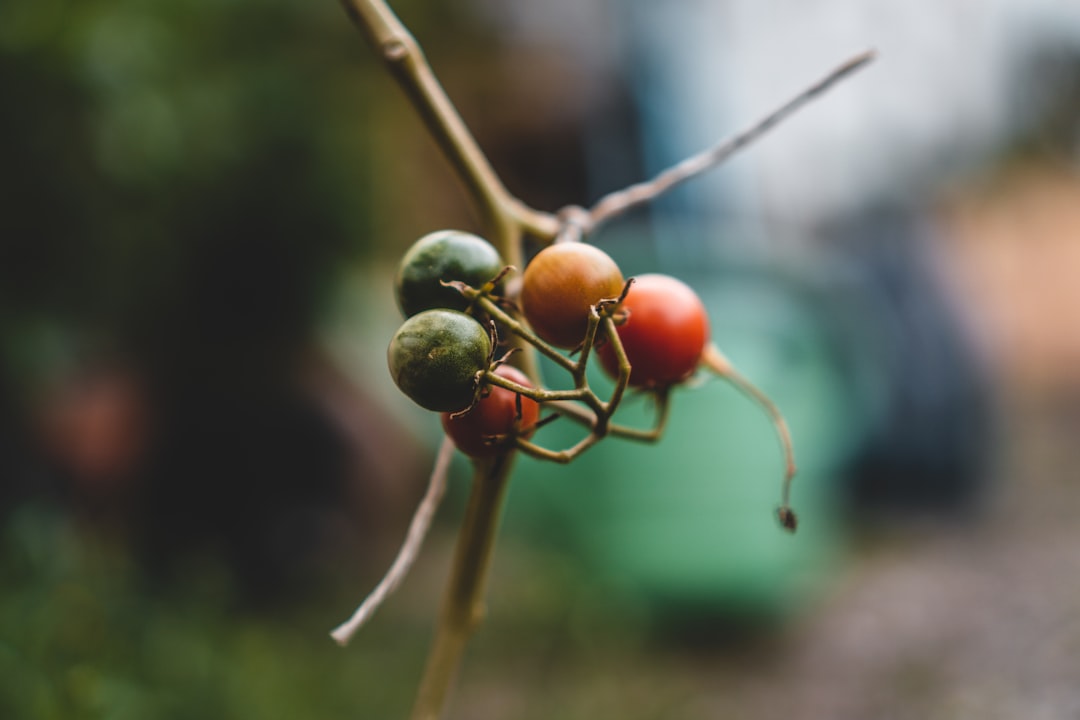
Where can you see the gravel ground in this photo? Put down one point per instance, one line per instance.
(930, 620)
(972, 620)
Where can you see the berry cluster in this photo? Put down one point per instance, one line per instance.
(650, 333)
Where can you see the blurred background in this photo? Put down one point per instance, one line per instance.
(204, 465)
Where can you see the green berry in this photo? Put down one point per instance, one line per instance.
(435, 356)
(443, 256)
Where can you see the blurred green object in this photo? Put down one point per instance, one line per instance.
(169, 169)
(83, 636)
(688, 525)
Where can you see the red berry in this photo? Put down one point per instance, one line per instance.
(664, 335)
(559, 286)
(496, 415)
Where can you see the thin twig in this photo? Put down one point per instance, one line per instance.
(620, 201)
(414, 539)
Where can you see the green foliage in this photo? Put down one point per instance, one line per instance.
(81, 637)
(178, 165)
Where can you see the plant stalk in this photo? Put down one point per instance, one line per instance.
(463, 604)
(506, 219)
(405, 61)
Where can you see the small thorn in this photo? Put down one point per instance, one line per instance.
(491, 284)
(504, 358)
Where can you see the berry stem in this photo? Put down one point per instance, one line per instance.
(653, 434)
(520, 331)
(718, 363)
(623, 378)
(599, 420)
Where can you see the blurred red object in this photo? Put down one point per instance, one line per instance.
(94, 428)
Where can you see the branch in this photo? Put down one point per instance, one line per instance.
(406, 62)
(414, 539)
(620, 201)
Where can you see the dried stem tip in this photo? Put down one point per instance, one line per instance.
(717, 362)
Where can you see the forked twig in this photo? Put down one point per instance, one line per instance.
(414, 539)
